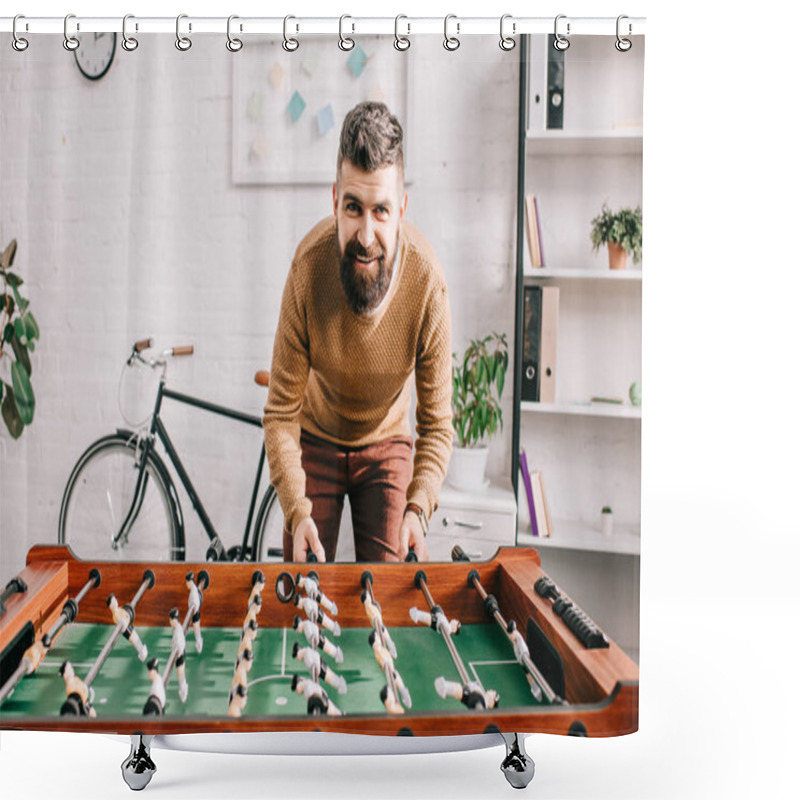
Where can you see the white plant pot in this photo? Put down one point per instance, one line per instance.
(468, 468)
(607, 524)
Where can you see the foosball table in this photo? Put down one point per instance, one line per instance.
(411, 655)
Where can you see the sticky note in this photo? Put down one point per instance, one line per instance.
(357, 61)
(296, 106)
(276, 75)
(259, 147)
(310, 62)
(325, 119)
(255, 107)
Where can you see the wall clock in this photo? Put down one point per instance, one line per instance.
(95, 54)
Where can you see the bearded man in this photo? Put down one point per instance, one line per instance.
(364, 314)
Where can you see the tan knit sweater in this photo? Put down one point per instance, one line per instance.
(347, 378)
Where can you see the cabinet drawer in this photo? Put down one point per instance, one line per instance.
(478, 532)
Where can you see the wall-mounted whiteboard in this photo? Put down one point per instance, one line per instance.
(288, 108)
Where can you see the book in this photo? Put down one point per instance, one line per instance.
(540, 504)
(532, 231)
(526, 479)
(539, 336)
(543, 263)
(547, 339)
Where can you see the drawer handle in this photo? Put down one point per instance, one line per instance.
(473, 526)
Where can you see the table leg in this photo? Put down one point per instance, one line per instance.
(518, 766)
(138, 768)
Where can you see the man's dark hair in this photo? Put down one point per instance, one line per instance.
(371, 137)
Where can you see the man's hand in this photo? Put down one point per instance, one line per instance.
(305, 538)
(412, 535)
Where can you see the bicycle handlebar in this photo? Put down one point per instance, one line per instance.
(183, 350)
(142, 344)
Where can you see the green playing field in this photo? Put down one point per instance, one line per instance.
(122, 686)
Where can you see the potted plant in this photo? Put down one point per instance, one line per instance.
(621, 231)
(478, 381)
(18, 334)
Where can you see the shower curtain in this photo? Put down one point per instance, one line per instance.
(160, 193)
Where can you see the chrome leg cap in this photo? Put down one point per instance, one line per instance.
(517, 766)
(138, 768)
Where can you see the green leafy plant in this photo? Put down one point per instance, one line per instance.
(478, 380)
(623, 228)
(18, 334)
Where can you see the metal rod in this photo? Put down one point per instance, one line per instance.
(376, 624)
(527, 663)
(70, 611)
(304, 26)
(462, 670)
(147, 581)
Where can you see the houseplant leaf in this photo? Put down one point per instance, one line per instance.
(21, 352)
(23, 392)
(11, 415)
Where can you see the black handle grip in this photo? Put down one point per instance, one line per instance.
(457, 554)
(311, 558)
(412, 555)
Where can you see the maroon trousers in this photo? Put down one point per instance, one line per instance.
(375, 478)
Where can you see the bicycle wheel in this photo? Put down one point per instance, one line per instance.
(268, 544)
(98, 497)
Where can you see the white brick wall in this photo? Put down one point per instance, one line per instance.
(120, 195)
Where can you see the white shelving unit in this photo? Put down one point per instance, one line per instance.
(571, 535)
(589, 453)
(584, 409)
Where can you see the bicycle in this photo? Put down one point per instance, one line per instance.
(121, 501)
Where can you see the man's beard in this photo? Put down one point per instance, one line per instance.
(364, 289)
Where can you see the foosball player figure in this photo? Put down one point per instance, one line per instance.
(373, 611)
(123, 616)
(471, 694)
(317, 697)
(243, 666)
(431, 619)
(79, 695)
(158, 694)
(390, 701)
(253, 611)
(246, 641)
(259, 582)
(517, 639)
(318, 668)
(310, 585)
(237, 700)
(384, 659)
(311, 631)
(179, 648)
(316, 614)
(195, 601)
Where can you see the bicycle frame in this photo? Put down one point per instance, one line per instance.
(216, 551)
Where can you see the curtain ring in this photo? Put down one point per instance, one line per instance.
(561, 42)
(401, 43)
(345, 43)
(233, 44)
(70, 42)
(183, 43)
(128, 43)
(18, 43)
(289, 45)
(506, 42)
(623, 45)
(451, 42)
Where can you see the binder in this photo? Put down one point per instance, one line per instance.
(548, 339)
(537, 72)
(555, 85)
(539, 339)
(533, 231)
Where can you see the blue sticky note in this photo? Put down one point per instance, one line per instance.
(296, 106)
(357, 61)
(325, 119)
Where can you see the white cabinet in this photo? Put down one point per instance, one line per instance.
(479, 522)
